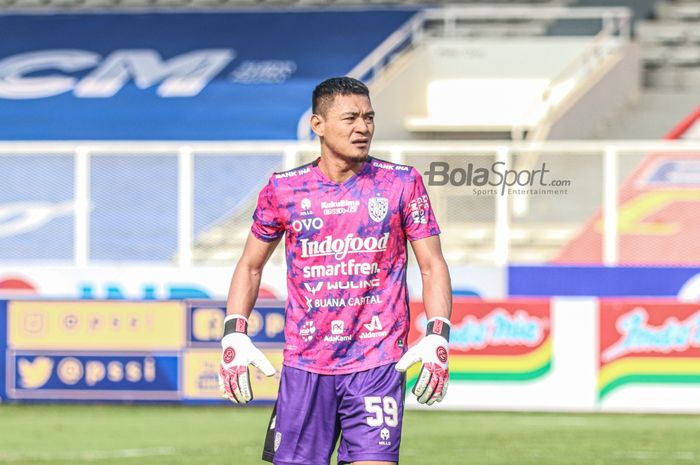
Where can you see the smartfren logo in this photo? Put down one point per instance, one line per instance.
(184, 75)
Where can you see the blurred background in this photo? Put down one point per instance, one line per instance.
(559, 142)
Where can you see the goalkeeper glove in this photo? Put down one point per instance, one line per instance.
(432, 350)
(237, 353)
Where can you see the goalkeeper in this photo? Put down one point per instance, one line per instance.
(346, 218)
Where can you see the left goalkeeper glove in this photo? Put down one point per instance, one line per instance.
(432, 350)
(238, 351)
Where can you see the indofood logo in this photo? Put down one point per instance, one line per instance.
(339, 248)
(637, 335)
(499, 328)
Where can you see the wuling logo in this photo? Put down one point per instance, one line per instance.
(313, 289)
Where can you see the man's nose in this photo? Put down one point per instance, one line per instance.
(363, 126)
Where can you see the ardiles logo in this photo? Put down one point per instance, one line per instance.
(341, 247)
(374, 329)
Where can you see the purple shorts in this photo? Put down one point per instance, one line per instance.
(364, 409)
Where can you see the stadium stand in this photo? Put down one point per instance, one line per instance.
(657, 204)
(577, 76)
(673, 45)
(228, 4)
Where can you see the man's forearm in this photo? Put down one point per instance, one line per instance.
(243, 292)
(437, 291)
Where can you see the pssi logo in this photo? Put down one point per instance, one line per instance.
(36, 74)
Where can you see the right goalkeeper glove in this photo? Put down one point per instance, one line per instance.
(237, 353)
(432, 350)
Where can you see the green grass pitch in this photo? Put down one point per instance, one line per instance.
(168, 435)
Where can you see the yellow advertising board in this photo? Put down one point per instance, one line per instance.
(201, 368)
(96, 325)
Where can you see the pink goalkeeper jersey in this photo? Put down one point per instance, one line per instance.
(347, 306)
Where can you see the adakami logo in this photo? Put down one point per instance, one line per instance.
(341, 247)
(337, 330)
(337, 327)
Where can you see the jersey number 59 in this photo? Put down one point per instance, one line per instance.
(385, 411)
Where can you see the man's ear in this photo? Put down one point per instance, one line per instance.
(317, 124)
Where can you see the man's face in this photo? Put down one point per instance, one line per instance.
(347, 127)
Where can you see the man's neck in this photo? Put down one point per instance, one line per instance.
(338, 170)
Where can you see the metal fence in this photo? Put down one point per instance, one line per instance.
(182, 203)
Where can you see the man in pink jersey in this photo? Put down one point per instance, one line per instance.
(347, 217)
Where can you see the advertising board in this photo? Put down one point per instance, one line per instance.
(649, 355)
(506, 341)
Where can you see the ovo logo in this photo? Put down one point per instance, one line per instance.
(307, 224)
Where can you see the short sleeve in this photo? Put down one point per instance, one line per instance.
(267, 224)
(418, 216)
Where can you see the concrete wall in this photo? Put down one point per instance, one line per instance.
(595, 104)
(401, 91)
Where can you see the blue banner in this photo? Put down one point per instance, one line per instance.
(91, 359)
(187, 76)
(98, 376)
(600, 281)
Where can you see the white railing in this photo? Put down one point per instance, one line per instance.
(609, 153)
(616, 26)
(605, 45)
(613, 18)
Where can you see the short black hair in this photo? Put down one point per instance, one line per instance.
(325, 91)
